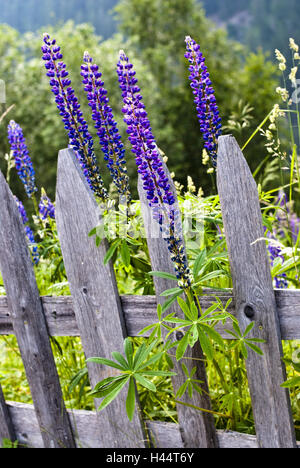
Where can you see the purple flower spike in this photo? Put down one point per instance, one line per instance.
(46, 207)
(69, 109)
(150, 167)
(274, 250)
(107, 131)
(21, 156)
(29, 234)
(22, 210)
(205, 100)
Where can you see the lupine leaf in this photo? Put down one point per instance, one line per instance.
(145, 382)
(130, 400)
(105, 362)
(118, 357)
(162, 274)
(109, 398)
(183, 344)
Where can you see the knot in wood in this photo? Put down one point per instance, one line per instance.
(249, 311)
(179, 335)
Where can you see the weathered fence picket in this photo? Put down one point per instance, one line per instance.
(7, 430)
(102, 319)
(254, 295)
(197, 427)
(30, 326)
(94, 290)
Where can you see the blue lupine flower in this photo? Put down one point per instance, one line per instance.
(285, 217)
(107, 131)
(151, 169)
(72, 117)
(21, 156)
(46, 207)
(205, 100)
(32, 245)
(22, 210)
(274, 250)
(29, 234)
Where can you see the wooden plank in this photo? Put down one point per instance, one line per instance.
(85, 427)
(197, 428)
(7, 430)
(30, 326)
(140, 311)
(95, 296)
(254, 295)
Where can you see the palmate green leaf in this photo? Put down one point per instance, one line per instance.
(162, 274)
(128, 349)
(170, 301)
(294, 382)
(105, 362)
(181, 348)
(118, 357)
(248, 329)
(185, 308)
(210, 276)
(157, 373)
(130, 400)
(171, 292)
(208, 311)
(101, 391)
(77, 379)
(193, 335)
(145, 382)
(111, 251)
(125, 253)
(199, 262)
(213, 334)
(182, 389)
(105, 382)
(111, 396)
(205, 343)
(142, 354)
(254, 348)
(151, 361)
(244, 350)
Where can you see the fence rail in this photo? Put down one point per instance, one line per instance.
(102, 319)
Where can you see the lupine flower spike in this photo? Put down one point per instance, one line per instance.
(151, 168)
(72, 117)
(21, 157)
(205, 100)
(29, 234)
(107, 131)
(46, 207)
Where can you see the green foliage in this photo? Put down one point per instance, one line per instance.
(132, 367)
(35, 110)
(158, 30)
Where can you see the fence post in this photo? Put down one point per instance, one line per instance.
(7, 430)
(30, 326)
(96, 299)
(254, 295)
(197, 427)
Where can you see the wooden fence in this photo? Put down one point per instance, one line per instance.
(102, 319)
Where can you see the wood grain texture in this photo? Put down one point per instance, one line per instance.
(96, 300)
(7, 430)
(253, 292)
(140, 311)
(197, 428)
(85, 428)
(30, 326)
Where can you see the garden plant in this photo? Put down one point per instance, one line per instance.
(189, 222)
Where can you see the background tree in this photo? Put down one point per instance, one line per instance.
(153, 36)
